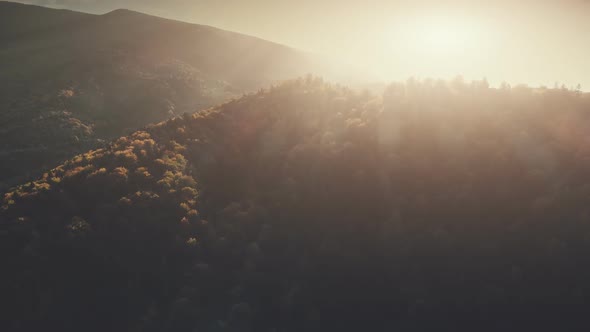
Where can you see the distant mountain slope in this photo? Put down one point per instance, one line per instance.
(309, 207)
(24, 21)
(68, 79)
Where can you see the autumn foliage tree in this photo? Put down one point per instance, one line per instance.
(310, 206)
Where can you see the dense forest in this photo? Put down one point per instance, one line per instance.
(70, 81)
(313, 207)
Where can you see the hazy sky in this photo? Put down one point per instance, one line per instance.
(534, 42)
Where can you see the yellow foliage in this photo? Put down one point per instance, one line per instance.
(185, 206)
(125, 201)
(77, 170)
(192, 242)
(67, 93)
(126, 155)
(143, 171)
(100, 171)
(120, 173)
(188, 192)
(42, 186)
(141, 135)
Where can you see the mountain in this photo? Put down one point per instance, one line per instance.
(69, 80)
(312, 207)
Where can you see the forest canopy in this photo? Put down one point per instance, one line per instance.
(310, 206)
(72, 81)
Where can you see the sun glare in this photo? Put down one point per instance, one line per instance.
(440, 38)
(440, 45)
(444, 35)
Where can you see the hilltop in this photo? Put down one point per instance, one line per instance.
(312, 207)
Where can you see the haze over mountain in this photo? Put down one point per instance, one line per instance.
(70, 80)
(311, 207)
(533, 42)
(157, 175)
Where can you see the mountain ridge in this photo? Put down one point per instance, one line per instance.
(296, 206)
(99, 76)
(126, 11)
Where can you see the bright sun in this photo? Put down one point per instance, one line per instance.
(440, 36)
(440, 46)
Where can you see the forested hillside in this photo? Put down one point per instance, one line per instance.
(69, 81)
(311, 207)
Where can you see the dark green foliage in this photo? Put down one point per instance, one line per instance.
(308, 207)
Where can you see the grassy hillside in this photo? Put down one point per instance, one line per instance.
(310, 207)
(70, 80)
